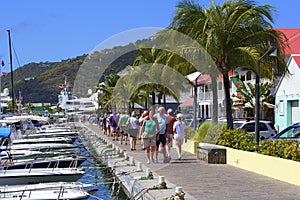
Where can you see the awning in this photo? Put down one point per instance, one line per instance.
(4, 132)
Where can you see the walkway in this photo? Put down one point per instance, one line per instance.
(208, 181)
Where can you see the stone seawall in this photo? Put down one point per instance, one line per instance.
(138, 180)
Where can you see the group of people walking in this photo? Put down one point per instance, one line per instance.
(156, 132)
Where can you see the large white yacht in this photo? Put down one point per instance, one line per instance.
(70, 103)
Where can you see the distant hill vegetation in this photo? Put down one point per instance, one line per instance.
(38, 82)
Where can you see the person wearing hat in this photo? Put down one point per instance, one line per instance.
(179, 128)
(169, 132)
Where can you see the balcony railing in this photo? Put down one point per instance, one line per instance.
(208, 95)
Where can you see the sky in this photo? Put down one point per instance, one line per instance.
(52, 30)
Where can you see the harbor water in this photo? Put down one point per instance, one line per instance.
(99, 174)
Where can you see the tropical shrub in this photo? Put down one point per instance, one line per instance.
(237, 139)
(288, 149)
(213, 133)
(190, 132)
(201, 132)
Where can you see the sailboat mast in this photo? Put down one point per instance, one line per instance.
(11, 72)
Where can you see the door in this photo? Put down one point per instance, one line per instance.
(295, 111)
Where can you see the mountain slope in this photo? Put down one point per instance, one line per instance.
(38, 82)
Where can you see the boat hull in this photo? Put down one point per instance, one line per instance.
(33, 176)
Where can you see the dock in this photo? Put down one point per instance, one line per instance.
(197, 179)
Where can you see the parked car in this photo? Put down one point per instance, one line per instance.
(290, 133)
(266, 128)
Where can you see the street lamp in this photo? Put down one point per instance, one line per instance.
(270, 52)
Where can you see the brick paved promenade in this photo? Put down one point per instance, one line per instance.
(208, 181)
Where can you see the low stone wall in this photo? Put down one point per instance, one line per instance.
(277, 168)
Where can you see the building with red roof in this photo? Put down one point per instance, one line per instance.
(292, 51)
(287, 110)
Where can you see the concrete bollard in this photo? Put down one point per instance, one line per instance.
(121, 152)
(139, 167)
(125, 156)
(161, 180)
(148, 171)
(131, 161)
(178, 190)
(117, 150)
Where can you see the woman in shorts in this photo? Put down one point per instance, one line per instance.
(151, 129)
(179, 128)
(133, 128)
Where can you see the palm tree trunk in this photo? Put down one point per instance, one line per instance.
(153, 98)
(215, 97)
(165, 101)
(227, 100)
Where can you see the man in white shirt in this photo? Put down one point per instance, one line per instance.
(162, 119)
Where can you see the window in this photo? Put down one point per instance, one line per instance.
(287, 134)
(220, 85)
(243, 77)
(291, 133)
(262, 127)
(295, 103)
(281, 108)
(250, 127)
(249, 75)
(271, 125)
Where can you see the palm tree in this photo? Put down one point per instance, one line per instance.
(29, 107)
(107, 90)
(249, 95)
(58, 108)
(235, 34)
(10, 106)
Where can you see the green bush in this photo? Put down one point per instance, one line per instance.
(190, 133)
(288, 149)
(237, 139)
(213, 133)
(201, 132)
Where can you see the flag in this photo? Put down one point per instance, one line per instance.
(239, 84)
(2, 63)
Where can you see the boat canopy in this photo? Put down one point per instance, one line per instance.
(5, 132)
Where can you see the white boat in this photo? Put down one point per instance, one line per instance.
(58, 162)
(43, 140)
(53, 130)
(49, 191)
(54, 134)
(38, 175)
(41, 146)
(25, 154)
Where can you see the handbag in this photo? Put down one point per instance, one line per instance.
(145, 135)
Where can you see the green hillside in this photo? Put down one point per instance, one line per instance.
(38, 82)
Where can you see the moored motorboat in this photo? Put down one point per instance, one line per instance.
(58, 162)
(64, 140)
(39, 175)
(41, 146)
(49, 191)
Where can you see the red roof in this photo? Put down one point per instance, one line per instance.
(202, 79)
(297, 60)
(206, 78)
(188, 102)
(293, 36)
